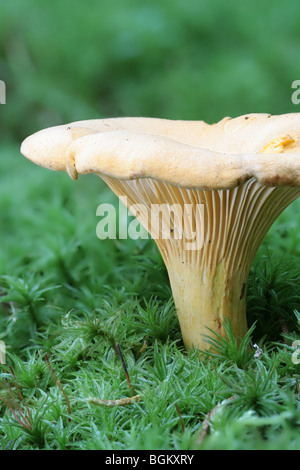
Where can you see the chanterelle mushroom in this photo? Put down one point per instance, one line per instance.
(242, 172)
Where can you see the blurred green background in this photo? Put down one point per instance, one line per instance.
(68, 60)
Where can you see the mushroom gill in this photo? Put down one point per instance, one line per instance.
(207, 268)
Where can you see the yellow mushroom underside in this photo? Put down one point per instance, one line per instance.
(209, 283)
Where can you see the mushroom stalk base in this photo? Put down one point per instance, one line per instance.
(205, 299)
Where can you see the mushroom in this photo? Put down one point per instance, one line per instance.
(235, 176)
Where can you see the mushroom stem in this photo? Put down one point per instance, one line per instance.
(205, 299)
(208, 279)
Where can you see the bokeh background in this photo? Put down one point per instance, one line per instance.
(67, 60)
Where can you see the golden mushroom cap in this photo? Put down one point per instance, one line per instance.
(189, 154)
